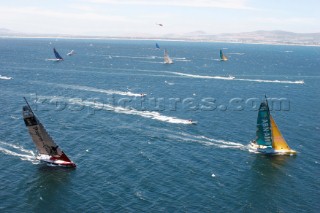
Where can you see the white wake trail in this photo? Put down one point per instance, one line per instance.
(223, 143)
(118, 109)
(18, 151)
(17, 147)
(232, 78)
(122, 110)
(203, 76)
(271, 81)
(2, 77)
(185, 137)
(135, 57)
(93, 89)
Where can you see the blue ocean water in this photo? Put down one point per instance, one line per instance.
(139, 153)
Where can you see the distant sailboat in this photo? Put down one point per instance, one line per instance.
(49, 151)
(58, 56)
(71, 53)
(269, 139)
(167, 59)
(223, 57)
(157, 46)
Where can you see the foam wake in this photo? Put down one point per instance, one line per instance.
(2, 77)
(252, 149)
(121, 110)
(181, 59)
(237, 79)
(135, 57)
(53, 59)
(271, 81)
(185, 137)
(19, 151)
(152, 62)
(92, 89)
(236, 53)
(203, 76)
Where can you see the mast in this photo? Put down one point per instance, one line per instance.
(28, 104)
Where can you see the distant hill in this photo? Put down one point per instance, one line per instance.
(4, 31)
(270, 37)
(273, 37)
(260, 37)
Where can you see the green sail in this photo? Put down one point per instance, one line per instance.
(264, 135)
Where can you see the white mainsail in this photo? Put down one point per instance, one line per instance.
(167, 59)
(71, 53)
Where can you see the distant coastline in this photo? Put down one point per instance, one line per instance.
(257, 37)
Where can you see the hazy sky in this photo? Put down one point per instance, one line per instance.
(124, 17)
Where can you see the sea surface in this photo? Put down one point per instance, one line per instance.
(140, 153)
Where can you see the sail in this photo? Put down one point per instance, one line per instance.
(58, 56)
(157, 46)
(263, 134)
(167, 59)
(278, 142)
(222, 56)
(71, 53)
(43, 141)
